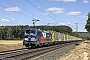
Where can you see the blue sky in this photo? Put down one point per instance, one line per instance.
(52, 12)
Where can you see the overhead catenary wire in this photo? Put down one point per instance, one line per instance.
(46, 8)
(24, 10)
(54, 15)
(19, 7)
(17, 12)
(20, 13)
(41, 3)
(33, 14)
(29, 12)
(39, 9)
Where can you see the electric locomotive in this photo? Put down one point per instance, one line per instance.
(35, 37)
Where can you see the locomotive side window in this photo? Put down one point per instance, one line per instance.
(39, 34)
(27, 31)
(48, 35)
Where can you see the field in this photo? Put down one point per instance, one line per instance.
(10, 44)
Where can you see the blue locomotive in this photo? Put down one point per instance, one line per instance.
(36, 37)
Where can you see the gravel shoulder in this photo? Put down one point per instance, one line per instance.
(80, 52)
(54, 55)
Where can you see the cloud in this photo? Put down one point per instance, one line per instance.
(83, 16)
(64, 0)
(69, 0)
(56, 10)
(13, 19)
(13, 9)
(0, 6)
(5, 21)
(38, 7)
(86, 1)
(63, 23)
(73, 13)
(55, 0)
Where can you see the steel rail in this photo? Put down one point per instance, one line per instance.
(21, 54)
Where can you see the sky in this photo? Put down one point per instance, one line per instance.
(72, 13)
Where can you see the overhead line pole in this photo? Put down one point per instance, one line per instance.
(34, 21)
(76, 27)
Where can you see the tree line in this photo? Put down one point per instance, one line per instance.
(17, 32)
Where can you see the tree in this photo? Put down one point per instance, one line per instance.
(61, 29)
(87, 26)
(17, 32)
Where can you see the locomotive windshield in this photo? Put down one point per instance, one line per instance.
(31, 32)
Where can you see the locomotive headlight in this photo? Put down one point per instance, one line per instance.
(26, 38)
(33, 39)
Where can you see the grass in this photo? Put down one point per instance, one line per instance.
(2, 44)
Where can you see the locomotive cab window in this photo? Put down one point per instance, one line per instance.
(32, 32)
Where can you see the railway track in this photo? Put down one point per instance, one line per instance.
(25, 54)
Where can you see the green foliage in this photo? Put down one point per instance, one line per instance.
(87, 26)
(61, 29)
(12, 32)
(17, 32)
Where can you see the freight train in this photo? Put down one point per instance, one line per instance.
(34, 37)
